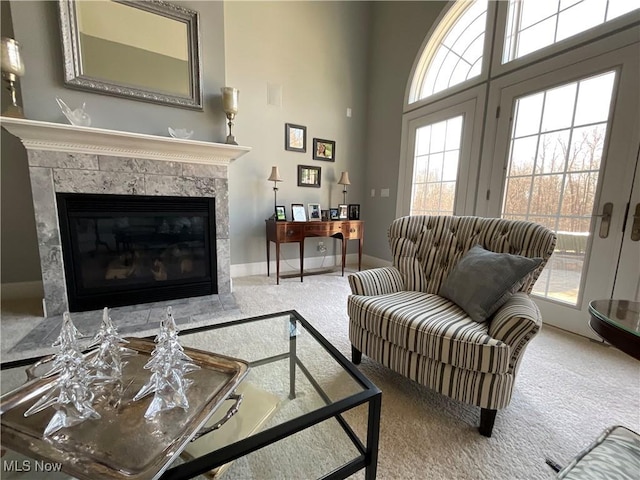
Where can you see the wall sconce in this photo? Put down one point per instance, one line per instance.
(275, 178)
(230, 107)
(344, 180)
(12, 68)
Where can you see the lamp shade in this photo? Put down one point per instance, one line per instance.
(344, 179)
(275, 175)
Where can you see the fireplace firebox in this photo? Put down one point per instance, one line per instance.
(126, 250)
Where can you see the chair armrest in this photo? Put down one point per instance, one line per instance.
(376, 281)
(516, 323)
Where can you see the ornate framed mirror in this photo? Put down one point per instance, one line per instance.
(146, 50)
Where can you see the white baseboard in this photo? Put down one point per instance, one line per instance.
(375, 262)
(19, 290)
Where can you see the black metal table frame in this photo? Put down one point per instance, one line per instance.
(368, 458)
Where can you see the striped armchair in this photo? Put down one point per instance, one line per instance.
(397, 318)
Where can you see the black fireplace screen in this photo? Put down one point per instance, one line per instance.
(124, 250)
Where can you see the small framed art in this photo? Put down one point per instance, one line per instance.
(324, 215)
(295, 138)
(297, 212)
(281, 213)
(314, 212)
(324, 150)
(308, 176)
(342, 212)
(354, 211)
(334, 214)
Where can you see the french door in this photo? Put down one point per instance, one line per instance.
(566, 156)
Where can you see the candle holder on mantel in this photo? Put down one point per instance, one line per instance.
(12, 68)
(230, 107)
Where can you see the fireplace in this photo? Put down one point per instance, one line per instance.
(126, 250)
(66, 160)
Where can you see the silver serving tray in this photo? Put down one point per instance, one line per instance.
(122, 444)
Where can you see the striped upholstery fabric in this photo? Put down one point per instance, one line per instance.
(430, 325)
(397, 318)
(426, 248)
(485, 390)
(516, 323)
(377, 281)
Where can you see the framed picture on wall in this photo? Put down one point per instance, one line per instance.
(354, 211)
(324, 150)
(297, 212)
(308, 176)
(281, 213)
(342, 212)
(295, 137)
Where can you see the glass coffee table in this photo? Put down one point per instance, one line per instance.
(307, 412)
(617, 322)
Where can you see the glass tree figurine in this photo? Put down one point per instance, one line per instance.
(168, 365)
(107, 363)
(70, 394)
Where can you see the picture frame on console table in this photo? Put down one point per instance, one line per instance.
(297, 212)
(334, 214)
(281, 213)
(314, 212)
(342, 212)
(325, 215)
(354, 211)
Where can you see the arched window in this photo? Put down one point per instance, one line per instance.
(454, 51)
(533, 25)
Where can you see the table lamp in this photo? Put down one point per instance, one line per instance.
(12, 68)
(275, 178)
(344, 180)
(230, 107)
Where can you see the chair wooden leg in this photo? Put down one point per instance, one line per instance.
(356, 355)
(487, 417)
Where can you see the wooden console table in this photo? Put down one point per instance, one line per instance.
(296, 232)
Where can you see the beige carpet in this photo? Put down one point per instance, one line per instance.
(569, 389)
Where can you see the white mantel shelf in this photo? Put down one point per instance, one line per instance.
(57, 137)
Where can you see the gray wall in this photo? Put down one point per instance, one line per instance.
(398, 30)
(317, 53)
(326, 56)
(19, 257)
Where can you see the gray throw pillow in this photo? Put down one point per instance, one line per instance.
(483, 281)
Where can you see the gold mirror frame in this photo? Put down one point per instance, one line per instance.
(75, 75)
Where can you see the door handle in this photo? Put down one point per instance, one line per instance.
(635, 227)
(605, 223)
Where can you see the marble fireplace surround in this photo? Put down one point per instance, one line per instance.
(70, 159)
